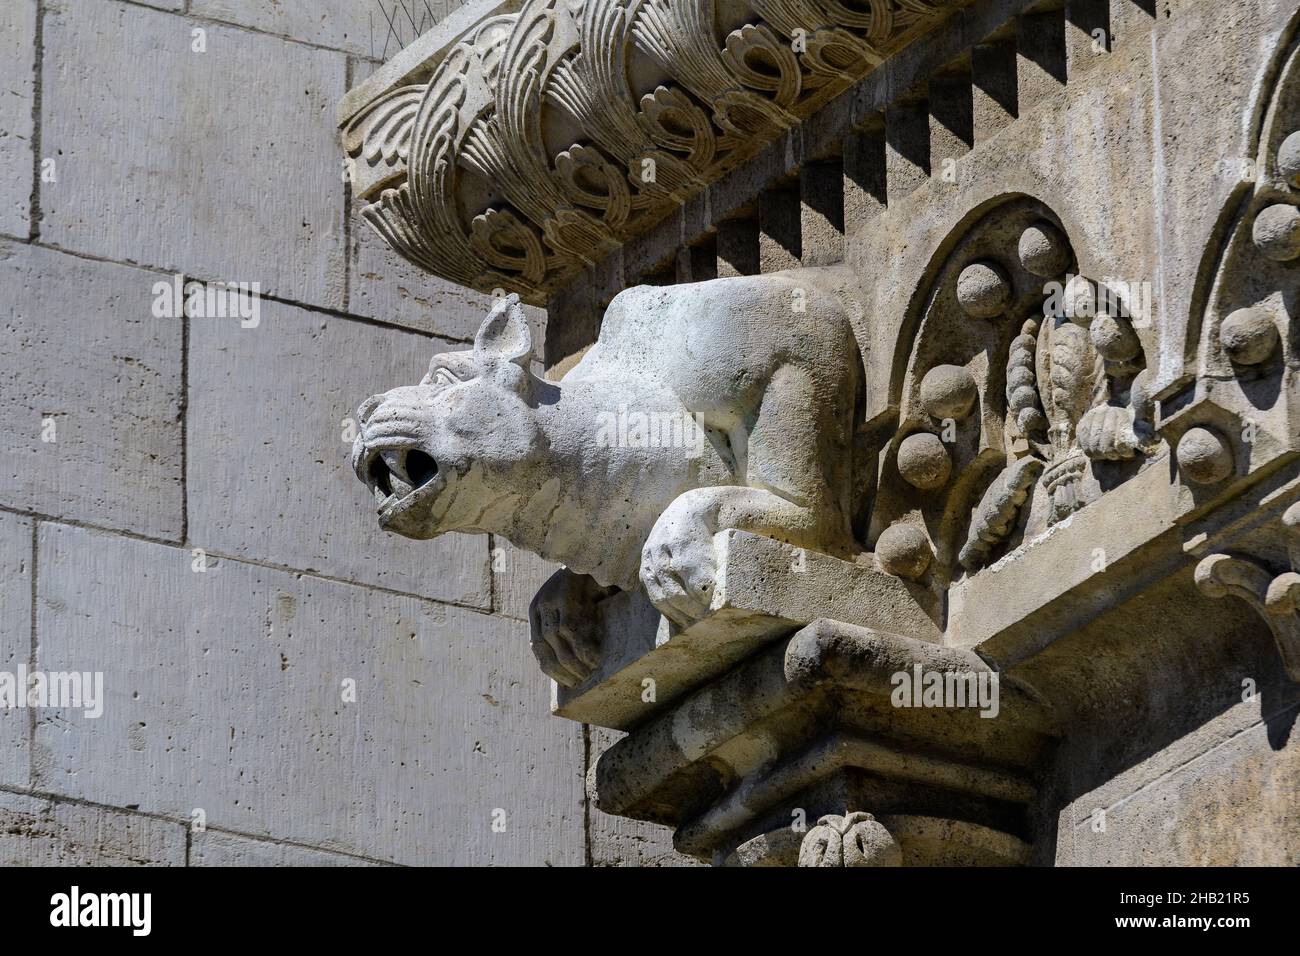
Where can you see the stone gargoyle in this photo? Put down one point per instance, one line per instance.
(725, 404)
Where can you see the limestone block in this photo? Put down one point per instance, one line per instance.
(161, 163)
(15, 638)
(36, 831)
(285, 495)
(17, 86)
(359, 28)
(766, 590)
(224, 691)
(1233, 805)
(91, 393)
(214, 848)
(385, 286)
(516, 576)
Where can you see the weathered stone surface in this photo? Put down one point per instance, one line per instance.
(355, 27)
(1230, 46)
(564, 213)
(386, 287)
(1232, 805)
(516, 576)
(214, 848)
(224, 692)
(617, 841)
(95, 371)
(237, 195)
(15, 638)
(766, 590)
(649, 422)
(37, 831)
(17, 90)
(263, 490)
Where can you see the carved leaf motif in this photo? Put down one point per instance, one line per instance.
(750, 49)
(855, 839)
(482, 110)
(673, 121)
(997, 511)
(1106, 432)
(382, 131)
(592, 181)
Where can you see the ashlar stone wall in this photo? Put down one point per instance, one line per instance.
(176, 508)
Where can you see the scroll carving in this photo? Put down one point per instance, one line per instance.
(1274, 596)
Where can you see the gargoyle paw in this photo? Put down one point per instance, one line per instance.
(563, 621)
(679, 569)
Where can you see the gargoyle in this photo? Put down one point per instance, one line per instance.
(726, 404)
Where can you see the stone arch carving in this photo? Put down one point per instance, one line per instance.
(1021, 395)
(1250, 264)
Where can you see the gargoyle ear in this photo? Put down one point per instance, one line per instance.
(504, 334)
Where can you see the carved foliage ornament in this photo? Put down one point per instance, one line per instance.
(537, 146)
(1024, 392)
(854, 839)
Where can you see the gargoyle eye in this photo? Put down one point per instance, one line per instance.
(444, 377)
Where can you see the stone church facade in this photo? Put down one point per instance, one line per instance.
(798, 432)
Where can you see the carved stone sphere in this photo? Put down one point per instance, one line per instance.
(1288, 159)
(1114, 338)
(1248, 336)
(1079, 299)
(1043, 250)
(1204, 457)
(1277, 232)
(948, 391)
(923, 461)
(903, 550)
(983, 290)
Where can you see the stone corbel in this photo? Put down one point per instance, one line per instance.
(1275, 597)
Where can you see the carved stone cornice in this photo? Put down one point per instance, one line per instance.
(520, 143)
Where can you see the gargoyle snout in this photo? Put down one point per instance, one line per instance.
(387, 455)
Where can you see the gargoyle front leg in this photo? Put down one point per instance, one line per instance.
(563, 618)
(679, 563)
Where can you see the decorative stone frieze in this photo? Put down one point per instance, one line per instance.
(515, 149)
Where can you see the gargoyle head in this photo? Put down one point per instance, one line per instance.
(440, 454)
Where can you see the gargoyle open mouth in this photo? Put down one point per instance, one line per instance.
(400, 478)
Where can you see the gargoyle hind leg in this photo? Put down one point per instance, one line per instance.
(563, 621)
(797, 492)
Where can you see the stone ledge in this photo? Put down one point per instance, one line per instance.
(760, 597)
(810, 725)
